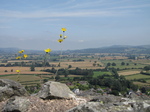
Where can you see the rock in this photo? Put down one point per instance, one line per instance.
(106, 99)
(89, 107)
(9, 88)
(137, 105)
(17, 104)
(53, 90)
(98, 107)
(76, 91)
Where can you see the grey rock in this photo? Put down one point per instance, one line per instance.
(9, 88)
(98, 107)
(17, 104)
(106, 99)
(52, 90)
(89, 107)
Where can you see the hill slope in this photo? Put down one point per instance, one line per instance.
(144, 49)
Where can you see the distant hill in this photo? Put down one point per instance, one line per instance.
(8, 50)
(144, 49)
(15, 50)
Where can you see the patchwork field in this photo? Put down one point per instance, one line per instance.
(98, 73)
(129, 72)
(23, 70)
(131, 69)
(82, 64)
(137, 76)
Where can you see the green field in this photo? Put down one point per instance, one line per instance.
(137, 76)
(131, 64)
(98, 73)
(25, 79)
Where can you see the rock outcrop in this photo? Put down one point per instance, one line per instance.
(112, 103)
(9, 88)
(57, 97)
(53, 90)
(16, 104)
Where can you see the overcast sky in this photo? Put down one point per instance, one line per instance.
(36, 24)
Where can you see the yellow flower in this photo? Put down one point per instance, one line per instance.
(60, 35)
(60, 40)
(18, 57)
(25, 56)
(48, 50)
(65, 37)
(17, 71)
(63, 29)
(21, 51)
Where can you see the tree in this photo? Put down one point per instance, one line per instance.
(122, 63)
(113, 64)
(114, 72)
(45, 80)
(108, 64)
(47, 64)
(57, 77)
(32, 68)
(8, 65)
(11, 70)
(94, 64)
(58, 64)
(146, 68)
(143, 90)
(70, 66)
(53, 70)
(66, 73)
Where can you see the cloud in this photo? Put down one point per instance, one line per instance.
(47, 14)
(81, 41)
(73, 8)
(131, 6)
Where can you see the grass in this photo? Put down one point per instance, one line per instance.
(98, 73)
(118, 63)
(137, 76)
(141, 84)
(26, 79)
(30, 78)
(129, 72)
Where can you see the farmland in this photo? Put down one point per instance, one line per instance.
(130, 68)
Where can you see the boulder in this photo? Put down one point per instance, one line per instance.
(89, 107)
(53, 90)
(9, 88)
(106, 99)
(17, 104)
(98, 107)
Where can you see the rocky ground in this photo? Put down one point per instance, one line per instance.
(57, 97)
(55, 105)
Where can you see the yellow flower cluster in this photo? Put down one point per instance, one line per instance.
(24, 55)
(18, 71)
(62, 35)
(48, 50)
(63, 29)
(21, 51)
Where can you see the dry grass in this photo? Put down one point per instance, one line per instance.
(142, 61)
(113, 57)
(129, 72)
(141, 84)
(22, 78)
(24, 70)
(83, 64)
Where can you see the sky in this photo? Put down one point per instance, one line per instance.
(36, 24)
